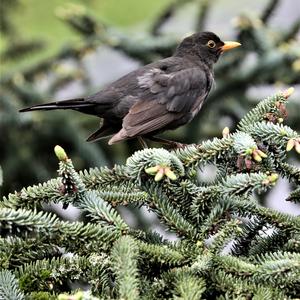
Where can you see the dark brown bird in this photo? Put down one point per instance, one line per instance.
(159, 96)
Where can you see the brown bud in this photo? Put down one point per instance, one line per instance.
(283, 110)
(248, 164)
(270, 117)
(239, 163)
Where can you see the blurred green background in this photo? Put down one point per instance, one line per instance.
(64, 49)
(39, 20)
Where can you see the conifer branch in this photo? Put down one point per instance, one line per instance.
(124, 256)
(228, 245)
(102, 212)
(187, 286)
(9, 287)
(161, 254)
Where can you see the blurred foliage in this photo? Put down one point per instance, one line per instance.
(37, 66)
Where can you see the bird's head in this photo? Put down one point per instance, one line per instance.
(205, 45)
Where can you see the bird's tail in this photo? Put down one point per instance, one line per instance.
(76, 104)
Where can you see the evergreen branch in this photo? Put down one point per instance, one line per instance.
(278, 219)
(73, 236)
(269, 105)
(32, 197)
(245, 242)
(51, 191)
(279, 269)
(293, 244)
(242, 184)
(235, 286)
(166, 14)
(98, 178)
(294, 195)
(26, 218)
(101, 275)
(264, 293)
(265, 242)
(101, 212)
(291, 33)
(168, 214)
(74, 51)
(272, 133)
(207, 151)
(85, 237)
(276, 269)
(9, 287)
(141, 161)
(151, 237)
(124, 256)
(15, 251)
(49, 275)
(224, 235)
(212, 221)
(79, 20)
(185, 192)
(188, 286)
(203, 263)
(242, 142)
(123, 198)
(290, 172)
(161, 254)
(204, 205)
(71, 181)
(235, 266)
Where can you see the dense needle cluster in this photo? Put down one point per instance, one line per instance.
(228, 247)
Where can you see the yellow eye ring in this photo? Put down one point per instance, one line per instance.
(211, 44)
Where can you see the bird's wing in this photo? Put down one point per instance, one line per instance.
(147, 116)
(165, 98)
(183, 89)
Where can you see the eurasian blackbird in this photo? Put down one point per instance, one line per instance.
(159, 96)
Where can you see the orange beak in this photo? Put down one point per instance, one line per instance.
(230, 45)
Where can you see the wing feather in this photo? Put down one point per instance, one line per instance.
(165, 99)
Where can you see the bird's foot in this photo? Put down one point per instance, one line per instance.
(176, 145)
(142, 142)
(168, 143)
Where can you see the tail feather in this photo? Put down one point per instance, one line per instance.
(120, 136)
(106, 129)
(65, 104)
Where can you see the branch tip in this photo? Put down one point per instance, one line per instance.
(60, 153)
(287, 93)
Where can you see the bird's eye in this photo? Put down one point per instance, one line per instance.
(211, 44)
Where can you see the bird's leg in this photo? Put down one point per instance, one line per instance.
(142, 142)
(171, 144)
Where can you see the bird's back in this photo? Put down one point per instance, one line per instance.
(115, 100)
